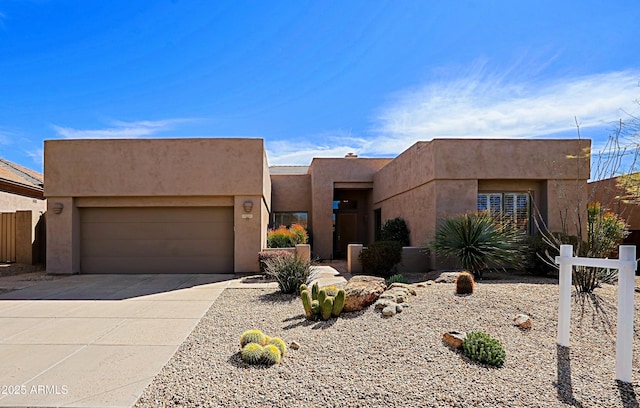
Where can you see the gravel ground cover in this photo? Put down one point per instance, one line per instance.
(365, 360)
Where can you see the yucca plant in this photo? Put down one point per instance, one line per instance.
(480, 241)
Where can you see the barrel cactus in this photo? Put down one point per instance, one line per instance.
(271, 354)
(280, 344)
(252, 336)
(252, 353)
(465, 283)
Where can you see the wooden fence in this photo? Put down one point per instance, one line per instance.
(22, 237)
(7, 237)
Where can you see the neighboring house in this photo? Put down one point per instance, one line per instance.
(204, 205)
(21, 189)
(616, 199)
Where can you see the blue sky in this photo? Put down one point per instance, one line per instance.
(313, 78)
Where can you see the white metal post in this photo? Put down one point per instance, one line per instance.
(564, 307)
(624, 340)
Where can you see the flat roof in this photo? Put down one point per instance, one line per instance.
(289, 170)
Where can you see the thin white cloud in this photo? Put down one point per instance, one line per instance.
(481, 105)
(300, 152)
(491, 106)
(36, 155)
(121, 130)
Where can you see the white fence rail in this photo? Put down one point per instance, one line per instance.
(626, 265)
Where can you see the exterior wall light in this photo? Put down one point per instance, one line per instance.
(57, 208)
(248, 206)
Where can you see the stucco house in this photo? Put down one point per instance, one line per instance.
(22, 205)
(204, 205)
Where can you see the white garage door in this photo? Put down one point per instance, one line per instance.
(157, 240)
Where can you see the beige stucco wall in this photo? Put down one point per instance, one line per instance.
(26, 251)
(155, 172)
(12, 202)
(443, 177)
(291, 193)
(324, 174)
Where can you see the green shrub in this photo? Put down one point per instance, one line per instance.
(397, 278)
(289, 272)
(481, 347)
(380, 257)
(480, 241)
(263, 256)
(395, 230)
(539, 256)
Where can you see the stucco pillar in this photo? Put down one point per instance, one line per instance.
(303, 252)
(248, 214)
(353, 258)
(63, 236)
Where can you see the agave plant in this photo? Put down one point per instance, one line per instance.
(480, 241)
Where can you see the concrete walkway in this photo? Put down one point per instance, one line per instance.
(94, 340)
(99, 340)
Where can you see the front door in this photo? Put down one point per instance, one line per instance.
(346, 229)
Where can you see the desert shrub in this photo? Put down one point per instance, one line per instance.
(539, 255)
(605, 230)
(301, 235)
(380, 257)
(481, 347)
(480, 241)
(263, 256)
(284, 237)
(395, 230)
(289, 272)
(397, 278)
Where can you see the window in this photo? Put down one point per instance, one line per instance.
(289, 218)
(512, 205)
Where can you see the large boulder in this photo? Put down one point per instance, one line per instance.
(361, 291)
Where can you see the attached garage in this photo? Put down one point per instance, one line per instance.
(157, 240)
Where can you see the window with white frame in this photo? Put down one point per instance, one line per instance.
(512, 205)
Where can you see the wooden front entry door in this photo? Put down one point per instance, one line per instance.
(347, 226)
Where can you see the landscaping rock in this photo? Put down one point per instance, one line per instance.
(454, 339)
(522, 321)
(399, 308)
(361, 291)
(447, 277)
(389, 311)
(382, 303)
(294, 345)
(405, 286)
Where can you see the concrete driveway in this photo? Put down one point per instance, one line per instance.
(94, 340)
